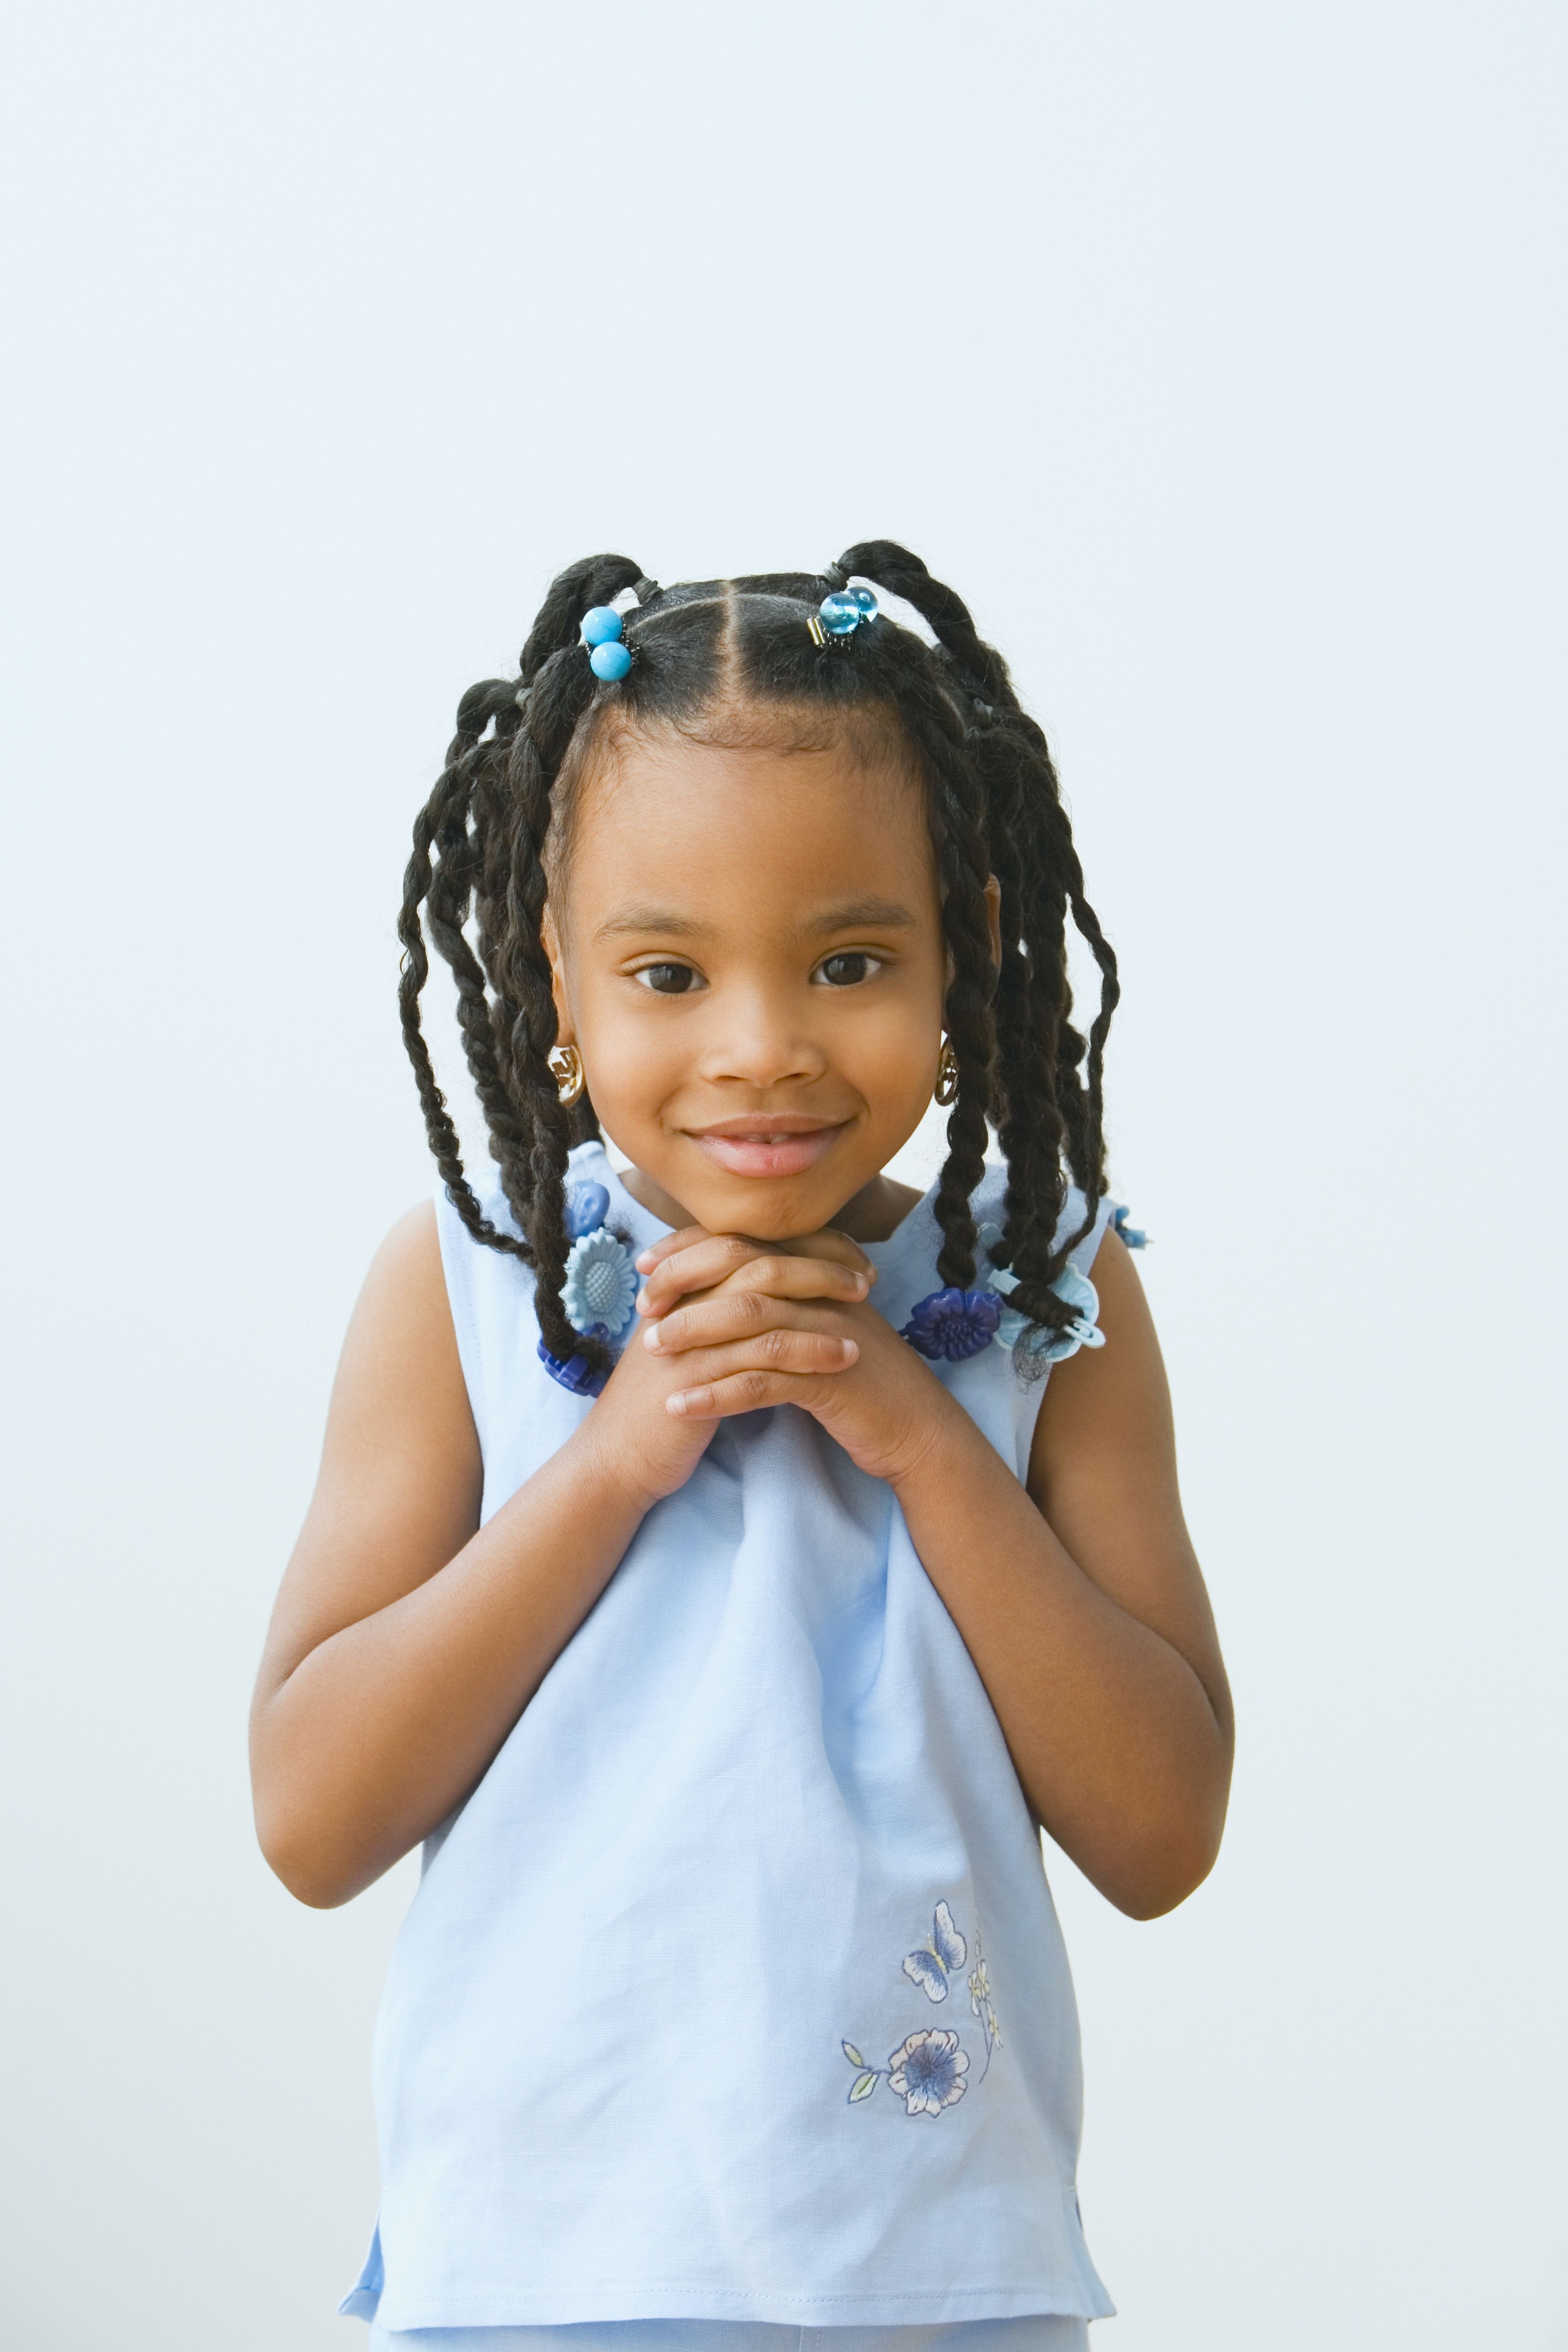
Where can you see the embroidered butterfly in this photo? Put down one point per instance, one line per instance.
(942, 1957)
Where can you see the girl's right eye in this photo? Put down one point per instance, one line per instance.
(667, 978)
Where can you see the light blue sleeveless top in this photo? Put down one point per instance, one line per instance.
(734, 1993)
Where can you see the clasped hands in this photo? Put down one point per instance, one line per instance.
(728, 1325)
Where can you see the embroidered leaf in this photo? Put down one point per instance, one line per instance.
(864, 2086)
(853, 2055)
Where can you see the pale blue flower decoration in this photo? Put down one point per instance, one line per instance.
(1039, 1345)
(600, 1284)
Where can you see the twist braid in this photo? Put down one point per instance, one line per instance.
(444, 814)
(563, 688)
(963, 865)
(598, 580)
(903, 575)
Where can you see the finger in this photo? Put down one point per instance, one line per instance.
(797, 1353)
(701, 1264)
(841, 1270)
(657, 1252)
(764, 1282)
(748, 1391)
(732, 1314)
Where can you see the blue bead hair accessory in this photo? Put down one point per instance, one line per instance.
(607, 657)
(841, 613)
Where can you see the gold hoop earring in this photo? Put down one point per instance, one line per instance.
(946, 1076)
(567, 1069)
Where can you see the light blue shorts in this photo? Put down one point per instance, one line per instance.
(1040, 2333)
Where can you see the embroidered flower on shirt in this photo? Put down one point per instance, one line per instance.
(928, 2071)
(980, 2004)
(954, 1324)
(600, 1284)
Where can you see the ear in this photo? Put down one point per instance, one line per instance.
(994, 917)
(549, 941)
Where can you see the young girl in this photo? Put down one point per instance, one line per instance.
(702, 1564)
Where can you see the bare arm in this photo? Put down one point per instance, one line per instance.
(407, 1639)
(1083, 1607)
(1079, 1598)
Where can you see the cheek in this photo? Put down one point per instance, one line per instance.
(632, 1061)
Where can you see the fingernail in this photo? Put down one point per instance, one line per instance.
(862, 1283)
(642, 1302)
(676, 1404)
(643, 1260)
(850, 1351)
(653, 1338)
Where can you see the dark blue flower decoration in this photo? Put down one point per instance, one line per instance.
(576, 1373)
(954, 1324)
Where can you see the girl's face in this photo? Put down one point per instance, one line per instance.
(748, 954)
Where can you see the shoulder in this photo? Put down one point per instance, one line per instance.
(1107, 1406)
(401, 1352)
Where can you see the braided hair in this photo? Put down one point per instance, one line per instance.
(484, 850)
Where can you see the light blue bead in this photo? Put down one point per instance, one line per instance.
(866, 602)
(609, 661)
(587, 1206)
(840, 613)
(601, 626)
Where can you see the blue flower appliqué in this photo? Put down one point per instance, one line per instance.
(1127, 1234)
(1038, 1345)
(600, 1284)
(576, 1373)
(954, 1324)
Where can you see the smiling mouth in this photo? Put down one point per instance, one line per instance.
(783, 1146)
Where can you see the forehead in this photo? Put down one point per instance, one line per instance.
(742, 834)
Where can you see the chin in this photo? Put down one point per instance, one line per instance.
(776, 1212)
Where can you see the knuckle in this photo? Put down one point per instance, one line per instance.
(756, 1387)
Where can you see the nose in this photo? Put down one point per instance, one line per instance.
(761, 1040)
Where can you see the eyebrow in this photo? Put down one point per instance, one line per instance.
(859, 914)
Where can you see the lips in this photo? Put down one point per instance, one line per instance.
(785, 1146)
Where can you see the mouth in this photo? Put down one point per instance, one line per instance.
(780, 1143)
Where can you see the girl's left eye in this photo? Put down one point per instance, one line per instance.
(845, 970)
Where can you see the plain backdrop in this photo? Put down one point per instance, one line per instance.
(1215, 354)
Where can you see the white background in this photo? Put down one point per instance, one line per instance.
(1214, 354)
